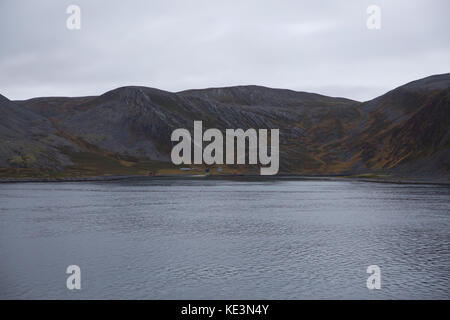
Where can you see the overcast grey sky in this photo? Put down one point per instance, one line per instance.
(317, 46)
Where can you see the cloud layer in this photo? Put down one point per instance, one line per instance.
(319, 46)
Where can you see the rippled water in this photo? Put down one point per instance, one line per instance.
(224, 239)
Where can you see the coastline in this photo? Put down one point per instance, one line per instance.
(244, 177)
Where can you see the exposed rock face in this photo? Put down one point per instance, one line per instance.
(404, 131)
(28, 139)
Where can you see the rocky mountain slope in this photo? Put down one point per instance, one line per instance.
(404, 132)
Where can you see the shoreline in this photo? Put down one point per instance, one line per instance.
(112, 178)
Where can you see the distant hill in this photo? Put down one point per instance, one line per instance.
(404, 132)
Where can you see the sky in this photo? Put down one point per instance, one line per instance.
(316, 46)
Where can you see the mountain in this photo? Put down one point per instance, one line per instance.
(404, 132)
(28, 139)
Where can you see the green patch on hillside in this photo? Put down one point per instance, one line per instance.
(24, 173)
(87, 164)
(92, 164)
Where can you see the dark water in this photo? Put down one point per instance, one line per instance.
(206, 239)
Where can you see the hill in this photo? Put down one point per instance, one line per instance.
(404, 132)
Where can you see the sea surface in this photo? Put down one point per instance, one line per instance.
(224, 239)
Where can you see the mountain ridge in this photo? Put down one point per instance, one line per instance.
(129, 128)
